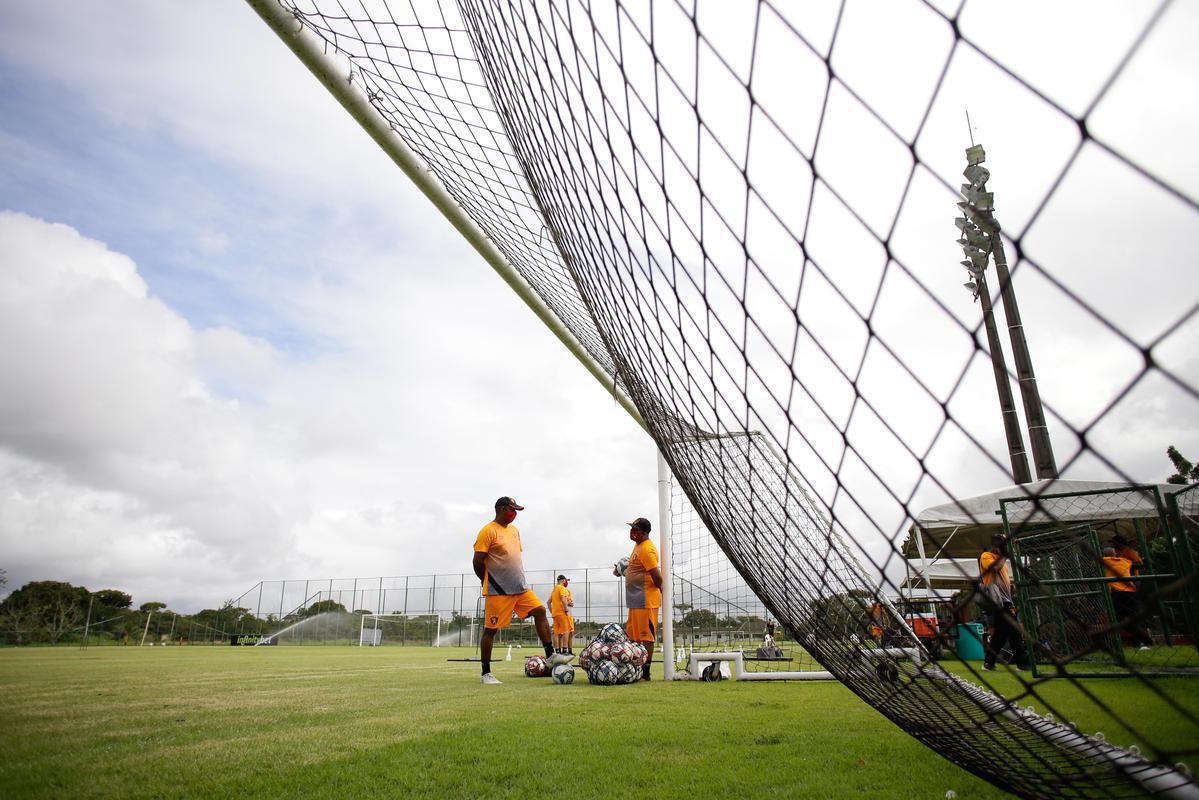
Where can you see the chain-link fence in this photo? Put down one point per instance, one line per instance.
(1103, 582)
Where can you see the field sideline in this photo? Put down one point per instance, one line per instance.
(334, 722)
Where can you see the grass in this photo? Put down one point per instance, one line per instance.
(402, 722)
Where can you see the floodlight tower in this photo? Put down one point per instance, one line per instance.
(976, 244)
(981, 239)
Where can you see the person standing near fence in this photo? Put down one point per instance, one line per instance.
(499, 564)
(1124, 597)
(562, 602)
(995, 584)
(1125, 550)
(642, 589)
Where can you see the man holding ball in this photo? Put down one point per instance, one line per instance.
(642, 589)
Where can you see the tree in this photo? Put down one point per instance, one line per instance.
(44, 611)
(152, 606)
(1184, 471)
(700, 618)
(113, 598)
(322, 607)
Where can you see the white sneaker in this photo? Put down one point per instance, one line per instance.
(1143, 648)
(490, 679)
(559, 658)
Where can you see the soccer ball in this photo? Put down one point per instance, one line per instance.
(595, 651)
(622, 566)
(629, 674)
(620, 652)
(612, 632)
(564, 673)
(605, 673)
(536, 667)
(640, 654)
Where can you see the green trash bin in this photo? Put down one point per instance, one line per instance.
(970, 641)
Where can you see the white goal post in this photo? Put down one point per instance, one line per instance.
(374, 628)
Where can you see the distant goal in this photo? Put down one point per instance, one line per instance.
(400, 629)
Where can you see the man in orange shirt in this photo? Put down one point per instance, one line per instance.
(996, 580)
(642, 589)
(561, 604)
(1125, 550)
(1124, 597)
(499, 563)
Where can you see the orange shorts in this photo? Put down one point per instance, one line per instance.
(563, 623)
(500, 607)
(642, 625)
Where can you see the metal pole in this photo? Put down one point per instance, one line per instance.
(146, 629)
(1038, 431)
(336, 78)
(664, 521)
(91, 599)
(1007, 404)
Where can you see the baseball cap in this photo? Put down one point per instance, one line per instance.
(508, 501)
(563, 578)
(641, 524)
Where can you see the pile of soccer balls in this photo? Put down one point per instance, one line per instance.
(538, 667)
(612, 659)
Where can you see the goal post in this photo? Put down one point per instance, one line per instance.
(378, 629)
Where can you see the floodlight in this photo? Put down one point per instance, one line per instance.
(977, 175)
(972, 286)
(983, 201)
(975, 155)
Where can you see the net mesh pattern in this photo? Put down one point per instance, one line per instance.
(743, 211)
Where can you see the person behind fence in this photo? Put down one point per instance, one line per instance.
(768, 637)
(1125, 550)
(642, 589)
(499, 564)
(1124, 597)
(562, 603)
(995, 586)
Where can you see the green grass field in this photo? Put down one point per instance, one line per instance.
(302, 722)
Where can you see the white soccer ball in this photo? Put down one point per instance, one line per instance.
(605, 673)
(620, 652)
(629, 673)
(640, 654)
(612, 632)
(536, 667)
(622, 566)
(564, 673)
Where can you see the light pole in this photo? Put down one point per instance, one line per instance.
(977, 236)
(981, 239)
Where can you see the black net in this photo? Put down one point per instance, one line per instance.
(744, 212)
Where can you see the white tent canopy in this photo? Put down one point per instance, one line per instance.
(962, 528)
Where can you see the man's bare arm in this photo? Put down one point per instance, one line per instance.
(655, 575)
(478, 562)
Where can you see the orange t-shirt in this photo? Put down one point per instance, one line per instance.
(1116, 567)
(504, 568)
(639, 589)
(560, 601)
(1134, 558)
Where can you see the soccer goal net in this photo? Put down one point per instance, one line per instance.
(749, 221)
(399, 629)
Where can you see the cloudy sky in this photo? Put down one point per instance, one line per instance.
(236, 344)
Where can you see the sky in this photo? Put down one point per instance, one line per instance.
(237, 344)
